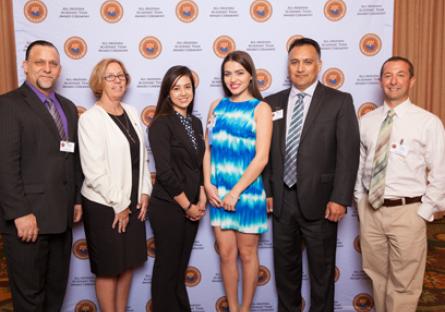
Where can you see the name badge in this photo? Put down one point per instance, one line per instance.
(277, 115)
(67, 146)
(401, 149)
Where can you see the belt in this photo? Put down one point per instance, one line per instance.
(401, 201)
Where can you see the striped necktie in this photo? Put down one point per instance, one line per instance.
(380, 162)
(56, 116)
(292, 142)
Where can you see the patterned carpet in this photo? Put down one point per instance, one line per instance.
(433, 296)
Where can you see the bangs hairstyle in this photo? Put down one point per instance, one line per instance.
(97, 79)
(171, 77)
(244, 59)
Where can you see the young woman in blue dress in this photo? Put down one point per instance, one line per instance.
(238, 136)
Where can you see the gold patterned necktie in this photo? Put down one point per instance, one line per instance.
(380, 162)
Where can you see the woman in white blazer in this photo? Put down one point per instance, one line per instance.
(117, 185)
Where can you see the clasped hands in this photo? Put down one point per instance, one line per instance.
(122, 218)
(229, 201)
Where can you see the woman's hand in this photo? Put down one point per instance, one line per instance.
(212, 195)
(230, 201)
(121, 219)
(195, 213)
(143, 206)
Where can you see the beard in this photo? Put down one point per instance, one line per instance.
(45, 83)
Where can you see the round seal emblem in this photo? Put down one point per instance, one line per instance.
(263, 78)
(80, 110)
(222, 305)
(334, 10)
(357, 246)
(150, 47)
(187, 11)
(333, 77)
(260, 10)
(75, 48)
(151, 251)
(370, 44)
(148, 114)
(263, 275)
(292, 39)
(85, 306)
(223, 45)
(363, 303)
(192, 276)
(111, 11)
(35, 11)
(366, 108)
(80, 249)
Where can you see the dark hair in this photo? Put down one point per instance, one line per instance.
(399, 58)
(305, 41)
(164, 105)
(244, 59)
(38, 43)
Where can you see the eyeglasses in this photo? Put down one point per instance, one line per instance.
(112, 77)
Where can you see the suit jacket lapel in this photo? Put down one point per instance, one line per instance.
(282, 122)
(183, 136)
(40, 110)
(314, 109)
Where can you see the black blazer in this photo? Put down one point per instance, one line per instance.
(35, 177)
(328, 154)
(178, 165)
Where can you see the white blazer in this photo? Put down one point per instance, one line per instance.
(106, 160)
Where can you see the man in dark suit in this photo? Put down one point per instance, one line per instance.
(39, 182)
(310, 177)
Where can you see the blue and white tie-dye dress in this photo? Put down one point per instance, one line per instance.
(232, 137)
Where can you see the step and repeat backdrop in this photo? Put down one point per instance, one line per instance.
(149, 36)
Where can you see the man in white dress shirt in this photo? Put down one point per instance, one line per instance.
(400, 185)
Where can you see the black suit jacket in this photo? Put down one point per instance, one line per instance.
(178, 165)
(35, 177)
(328, 154)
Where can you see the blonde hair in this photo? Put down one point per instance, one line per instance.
(97, 75)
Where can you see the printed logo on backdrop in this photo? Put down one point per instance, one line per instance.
(363, 303)
(263, 78)
(357, 245)
(195, 78)
(292, 39)
(263, 276)
(35, 11)
(223, 45)
(366, 108)
(337, 274)
(149, 306)
(187, 11)
(370, 44)
(85, 306)
(150, 47)
(192, 276)
(148, 114)
(333, 77)
(334, 10)
(80, 110)
(151, 251)
(80, 249)
(260, 10)
(111, 11)
(222, 305)
(75, 48)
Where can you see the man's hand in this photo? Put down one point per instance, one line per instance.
(335, 212)
(27, 229)
(77, 213)
(269, 204)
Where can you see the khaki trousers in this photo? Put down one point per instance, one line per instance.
(393, 244)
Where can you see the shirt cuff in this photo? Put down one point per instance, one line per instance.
(426, 212)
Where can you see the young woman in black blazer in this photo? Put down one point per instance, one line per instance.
(178, 198)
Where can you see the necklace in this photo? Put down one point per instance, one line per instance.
(125, 126)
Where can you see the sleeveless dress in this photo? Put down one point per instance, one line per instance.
(232, 137)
